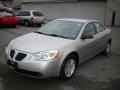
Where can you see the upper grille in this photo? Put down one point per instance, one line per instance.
(20, 56)
(12, 52)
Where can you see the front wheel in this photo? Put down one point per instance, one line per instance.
(68, 68)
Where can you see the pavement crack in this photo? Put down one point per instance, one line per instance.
(13, 33)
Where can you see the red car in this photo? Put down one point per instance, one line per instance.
(7, 19)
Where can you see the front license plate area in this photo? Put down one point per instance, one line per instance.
(12, 63)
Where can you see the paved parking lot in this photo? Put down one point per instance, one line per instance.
(98, 73)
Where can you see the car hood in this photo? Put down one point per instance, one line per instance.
(34, 43)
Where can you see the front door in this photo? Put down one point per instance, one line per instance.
(88, 46)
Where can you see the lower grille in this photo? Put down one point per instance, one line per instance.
(30, 73)
(20, 56)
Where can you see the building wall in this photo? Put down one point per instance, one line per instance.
(7, 3)
(83, 9)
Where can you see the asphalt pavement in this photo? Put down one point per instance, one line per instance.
(98, 73)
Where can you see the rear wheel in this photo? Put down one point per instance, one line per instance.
(39, 25)
(107, 49)
(68, 68)
(26, 23)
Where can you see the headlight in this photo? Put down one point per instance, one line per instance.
(45, 55)
(8, 47)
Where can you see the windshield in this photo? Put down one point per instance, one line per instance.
(61, 28)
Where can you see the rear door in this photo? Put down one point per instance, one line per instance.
(101, 36)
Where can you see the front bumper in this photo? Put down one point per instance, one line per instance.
(36, 21)
(41, 69)
(9, 23)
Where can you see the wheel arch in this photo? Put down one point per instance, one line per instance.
(76, 55)
(110, 41)
(73, 53)
(25, 20)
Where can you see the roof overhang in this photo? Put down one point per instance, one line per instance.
(55, 1)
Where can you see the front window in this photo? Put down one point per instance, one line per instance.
(61, 28)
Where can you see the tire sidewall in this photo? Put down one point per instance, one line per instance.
(106, 49)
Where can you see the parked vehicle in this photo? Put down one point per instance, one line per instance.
(58, 48)
(7, 18)
(3, 8)
(30, 17)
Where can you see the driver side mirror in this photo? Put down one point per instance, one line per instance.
(87, 36)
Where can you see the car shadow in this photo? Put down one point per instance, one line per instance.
(7, 26)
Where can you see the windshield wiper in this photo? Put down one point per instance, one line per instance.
(58, 36)
(40, 32)
(52, 35)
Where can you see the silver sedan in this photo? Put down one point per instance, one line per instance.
(58, 48)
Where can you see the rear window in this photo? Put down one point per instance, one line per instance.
(35, 13)
(23, 13)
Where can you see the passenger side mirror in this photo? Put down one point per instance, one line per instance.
(87, 36)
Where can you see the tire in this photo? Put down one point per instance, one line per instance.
(39, 25)
(68, 68)
(14, 26)
(1, 26)
(26, 23)
(107, 49)
(43, 22)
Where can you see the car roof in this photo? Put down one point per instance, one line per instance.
(30, 10)
(78, 20)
